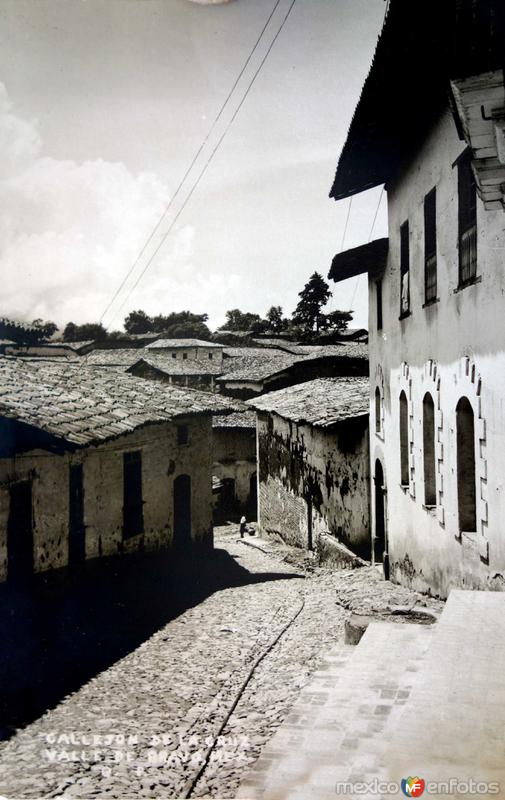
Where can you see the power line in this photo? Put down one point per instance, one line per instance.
(191, 165)
(343, 240)
(368, 242)
(208, 162)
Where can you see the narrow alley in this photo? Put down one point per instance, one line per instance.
(187, 712)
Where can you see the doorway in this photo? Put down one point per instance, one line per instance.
(380, 538)
(182, 512)
(76, 529)
(20, 533)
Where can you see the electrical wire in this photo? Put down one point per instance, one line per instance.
(190, 167)
(207, 163)
(368, 242)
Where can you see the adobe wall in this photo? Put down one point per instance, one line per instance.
(234, 457)
(453, 348)
(162, 461)
(324, 472)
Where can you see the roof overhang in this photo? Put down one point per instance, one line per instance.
(421, 48)
(371, 258)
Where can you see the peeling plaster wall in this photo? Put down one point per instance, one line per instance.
(303, 469)
(454, 348)
(162, 461)
(234, 453)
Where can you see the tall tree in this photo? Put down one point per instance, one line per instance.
(237, 320)
(275, 319)
(313, 298)
(85, 332)
(138, 322)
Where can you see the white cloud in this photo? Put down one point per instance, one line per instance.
(69, 231)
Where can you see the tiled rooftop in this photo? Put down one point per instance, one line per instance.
(239, 419)
(322, 402)
(178, 366)
(83, 406)
(257, 368)
(113, 358)
(257, 364)
(173, 343)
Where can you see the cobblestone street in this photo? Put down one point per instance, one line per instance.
(187, 712)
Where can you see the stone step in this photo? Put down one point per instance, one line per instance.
(453, 728)
(335, 729)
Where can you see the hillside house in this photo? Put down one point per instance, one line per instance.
(313, 462)
(95, 463)
(191, 349)
(253, 371)
(429, 125)
(195, 373)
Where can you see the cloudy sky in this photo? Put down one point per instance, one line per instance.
(103, 105)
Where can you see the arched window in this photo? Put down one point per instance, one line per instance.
(466, 466)
(404, 439)
(430, 485)
(378, 411)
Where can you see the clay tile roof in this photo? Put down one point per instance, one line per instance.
(82, 405)
(322, 402)
(268, 362)
(371, 257)
(239, 419)
(173, 343)
(177, 366)
(113, 358)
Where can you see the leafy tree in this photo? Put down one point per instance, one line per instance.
(275, 319)
(70, 332)
(313, 297)
(237, 320)
(24, 333)
(81, 333)
(138, 322)
(337, 320)
(47, 329)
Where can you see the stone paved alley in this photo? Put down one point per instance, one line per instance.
(147, 725)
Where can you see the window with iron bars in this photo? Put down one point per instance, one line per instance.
(430, 247)
(404, 270)
(467, 221)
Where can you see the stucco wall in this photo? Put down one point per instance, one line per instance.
(325, 469)
(194, 353)
(453, 348)
(234, 454)
(162, 461)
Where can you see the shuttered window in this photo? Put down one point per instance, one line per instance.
(430, 247)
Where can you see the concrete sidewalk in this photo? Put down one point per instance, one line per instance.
(335, 730)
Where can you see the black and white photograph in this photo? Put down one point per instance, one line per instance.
(252, 399)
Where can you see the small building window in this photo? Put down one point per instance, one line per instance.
(182, 434)
(404, 440)
(467, 221)
(210, 356)
(133, 517)
(378, 295)
(184, 356)
(378, 410)
(404, 269)
(430, 486)
(467, 512)
(174, 355)
(430, 246)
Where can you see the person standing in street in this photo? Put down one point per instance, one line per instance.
(243, 526)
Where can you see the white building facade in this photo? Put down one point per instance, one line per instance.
(437, 362)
